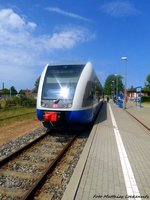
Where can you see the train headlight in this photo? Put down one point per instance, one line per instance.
(64, 92)
(69, 105)
(43, 104)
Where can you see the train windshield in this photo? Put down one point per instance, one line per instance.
(60, 81)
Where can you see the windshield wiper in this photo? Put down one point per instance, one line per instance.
(57, 100)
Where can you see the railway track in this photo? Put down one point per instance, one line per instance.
(56, 182)
(22, 174)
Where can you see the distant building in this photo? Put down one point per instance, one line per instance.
(131, 93)
(27, 92)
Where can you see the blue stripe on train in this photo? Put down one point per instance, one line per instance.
(39, 114)
(79, 116)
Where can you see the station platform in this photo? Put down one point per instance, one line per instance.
(115, 163)
(141, 113)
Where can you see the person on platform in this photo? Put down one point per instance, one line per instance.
(107, 99)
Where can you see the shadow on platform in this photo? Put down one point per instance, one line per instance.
(102, 116)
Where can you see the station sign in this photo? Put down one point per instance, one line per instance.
(139, 89)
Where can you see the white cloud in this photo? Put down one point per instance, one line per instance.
(119, 8)
(11, 20)
(69, 14)
(21, 53)
(68, 38)
(31, 25)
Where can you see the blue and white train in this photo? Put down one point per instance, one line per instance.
(68, 94)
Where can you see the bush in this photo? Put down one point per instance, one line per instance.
(27, 101)
(3, 103)
(6, 103)
(32, 101)
(146, 99)
(18, 101)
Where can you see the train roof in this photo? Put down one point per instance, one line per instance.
(70, 63)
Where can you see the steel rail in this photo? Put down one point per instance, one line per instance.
(30, 194)
(20, 150)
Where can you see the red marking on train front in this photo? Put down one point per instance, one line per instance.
(50, 117)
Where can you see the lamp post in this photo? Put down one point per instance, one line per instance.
(125, 88)
(116, 84)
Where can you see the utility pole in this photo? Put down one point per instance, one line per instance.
(125, 88)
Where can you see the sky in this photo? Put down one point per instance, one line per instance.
(34, 33)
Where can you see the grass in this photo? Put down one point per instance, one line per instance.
(10, 115)
(146, 103)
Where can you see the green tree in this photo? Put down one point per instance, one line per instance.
(36, 84)
(148, 79)
(147, 84)
(99, 87)
(113, 84)
(5, 91)
(13, 91)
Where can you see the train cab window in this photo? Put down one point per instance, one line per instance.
(60, 81)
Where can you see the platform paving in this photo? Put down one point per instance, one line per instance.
(137, 144)
(141, 113)
(102, 176)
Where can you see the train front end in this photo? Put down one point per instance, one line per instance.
(55, 100)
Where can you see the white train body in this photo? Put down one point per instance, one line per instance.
(68, 94)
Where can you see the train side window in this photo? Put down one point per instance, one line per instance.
(88, 95)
